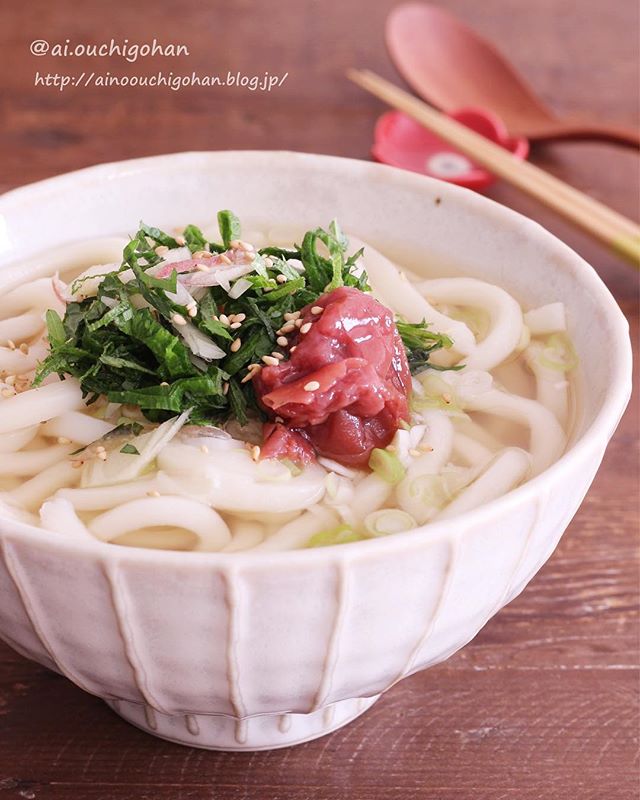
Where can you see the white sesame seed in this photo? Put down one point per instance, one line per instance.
(10, 380)
(164, 383)
(235, 325)
(24, 349)
(102, 455)
(290, 326)
(225, 258)
(293, 348)
(270, 361)
(282, 341)
(246, 246)
(181, 240)
(63, 440)
(76, 464)
(203, 268)
(178, 319)
(317, 310)
(204, 448)
(11, 344)
(153, 494)
(7, 392)
(279, 419)
(305, 328)
(447, 398)
(161, 250)
(413, 452)
(281, 278)
(236, 344)
(225, 388)
(234, 244)
(311, 386)
(192, 311)
(255, 452)
(425, 448)
(202, 254)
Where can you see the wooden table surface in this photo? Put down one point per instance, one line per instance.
(543, 703)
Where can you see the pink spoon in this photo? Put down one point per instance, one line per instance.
(452, 67)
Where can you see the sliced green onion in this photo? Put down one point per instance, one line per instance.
(387, 521)
(559, 353)
(386, 465)
(338, 535)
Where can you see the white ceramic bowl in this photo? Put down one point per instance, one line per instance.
(250, 651)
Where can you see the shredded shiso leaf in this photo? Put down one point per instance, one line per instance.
(145, 340)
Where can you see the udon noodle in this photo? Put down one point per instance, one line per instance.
(475, 433)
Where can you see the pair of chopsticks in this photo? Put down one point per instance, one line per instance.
(607, 225)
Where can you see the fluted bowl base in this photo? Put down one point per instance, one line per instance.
(261, 732)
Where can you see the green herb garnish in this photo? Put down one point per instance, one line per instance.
(135, 343)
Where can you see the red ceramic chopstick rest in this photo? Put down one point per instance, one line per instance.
(402, 142)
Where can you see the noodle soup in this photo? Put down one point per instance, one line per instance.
(203, 391)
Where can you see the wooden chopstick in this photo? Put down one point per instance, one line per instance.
(607, 225)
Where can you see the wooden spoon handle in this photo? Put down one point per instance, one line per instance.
(618, 134)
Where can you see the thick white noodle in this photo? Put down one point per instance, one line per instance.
(30, 462)
(231, 480)
(298, 532)
(77, 427)
(547, 319)
(469, 450)
(36, 295)
(68, 258)
(31, 493)
(39, 405)
(369, 495)
(474, 430)
(552, 386)
(10, 511)
(504, 312)
(59, 516)
(245, 535)
(179, 512)
(99, 498)
(19, 329)
(16, 440)
(15, 362)
(547, 439)
(393, 290)
(439, 437)
(504, 472)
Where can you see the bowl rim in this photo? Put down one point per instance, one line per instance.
(593, 439)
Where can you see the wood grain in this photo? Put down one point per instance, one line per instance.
(544, 702)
